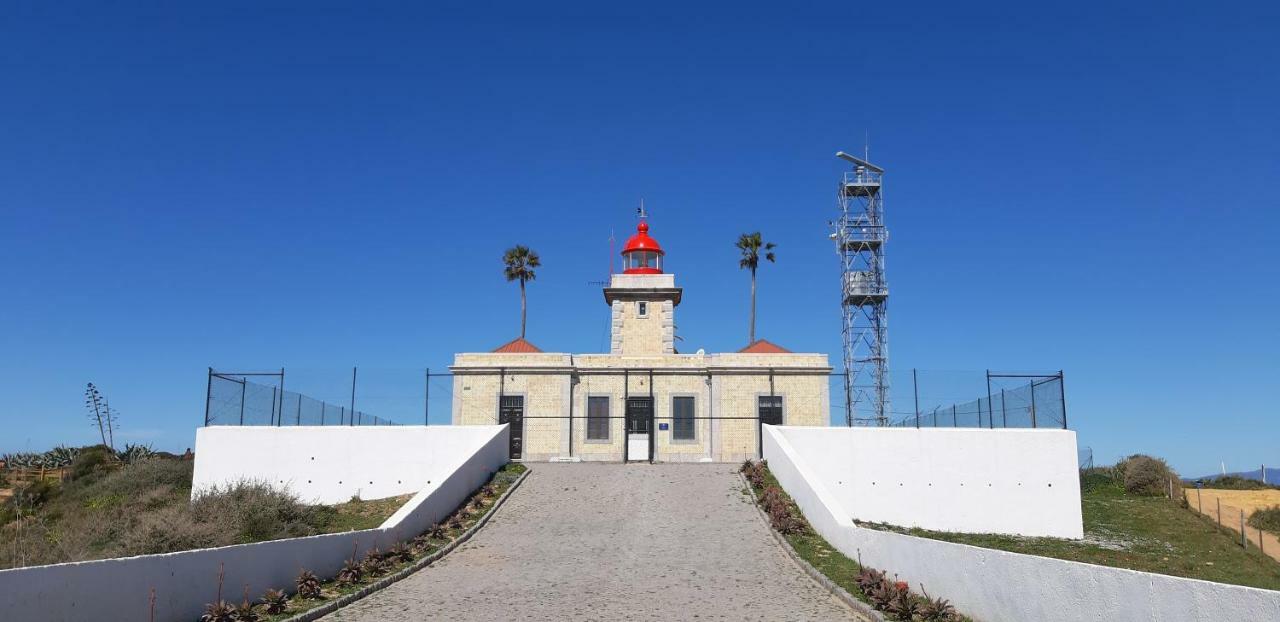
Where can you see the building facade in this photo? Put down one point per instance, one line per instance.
(643, 401)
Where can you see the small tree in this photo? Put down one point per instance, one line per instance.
(101, 415)
(751, 244)
(519, 263)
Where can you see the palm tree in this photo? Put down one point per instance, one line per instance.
(520, 262)
(750, 244)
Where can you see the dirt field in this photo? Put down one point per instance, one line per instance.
(1233, 502)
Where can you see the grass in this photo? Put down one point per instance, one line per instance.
(331, 589)
(1151, 534)
(360, 514)
(111, 510)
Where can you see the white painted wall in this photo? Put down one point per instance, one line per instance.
(1012, 481)
(330, 464)
(118, 589)
(996, 585)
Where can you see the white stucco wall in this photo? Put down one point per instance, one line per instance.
(119, 589)
(996, 585)
(1021, 482)
(330, 464)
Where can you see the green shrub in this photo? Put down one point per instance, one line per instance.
(1101, 478)
(36, 494)
(255, 511)
(1146, 476)
(1266, 519)
(1235, 482)
(91, 461)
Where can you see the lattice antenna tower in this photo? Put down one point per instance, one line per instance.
(860, 236)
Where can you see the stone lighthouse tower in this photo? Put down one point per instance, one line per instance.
(642, 299)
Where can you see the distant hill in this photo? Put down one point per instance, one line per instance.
(1273, 475)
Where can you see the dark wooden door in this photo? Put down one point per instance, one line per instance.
(639, 414)
(511, 410)
(769, 412)
(771, 409)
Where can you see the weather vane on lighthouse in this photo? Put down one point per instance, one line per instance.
(640, 213)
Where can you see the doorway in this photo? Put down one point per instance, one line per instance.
(511, 410)
(639, 428)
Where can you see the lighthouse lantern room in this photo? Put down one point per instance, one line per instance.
(642, 254)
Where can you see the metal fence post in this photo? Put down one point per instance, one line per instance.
(242, 384)
(274, 419)
(1032, 386)
(209, 397)
(299, 409)
(353, 390)
(1062, 395)
(915, 389)
(954, 422)
(1004, 416)
(991, 411)
(426, 401)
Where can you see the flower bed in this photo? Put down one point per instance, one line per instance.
(887, 593)
(310, 592)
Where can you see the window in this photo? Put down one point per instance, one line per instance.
(642, 309)
(770, 409)
(598, 418)
(644, 259)
(682, 421)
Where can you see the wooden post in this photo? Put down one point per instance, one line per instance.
(1244, 536)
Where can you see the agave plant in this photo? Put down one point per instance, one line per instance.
(132, 454)
(275, 601)
(247, 612)
(437, 532)
(935, 609)
(308, 585)
(59, 457)
(22, 460)
(375, 563)
(868, 578)
(221, 611)
(901, 605)
(351, 573)
(400, 552)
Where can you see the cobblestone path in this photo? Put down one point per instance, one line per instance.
(613, 542)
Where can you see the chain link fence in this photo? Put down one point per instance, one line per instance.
(259, 398)
(1010, 401)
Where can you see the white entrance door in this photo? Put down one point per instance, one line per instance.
(639, 420)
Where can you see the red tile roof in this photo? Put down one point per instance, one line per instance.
(761, 346)
(517, 346)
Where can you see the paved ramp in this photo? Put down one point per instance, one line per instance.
(613, 542)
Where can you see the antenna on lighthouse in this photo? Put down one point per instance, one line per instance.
(640, 213)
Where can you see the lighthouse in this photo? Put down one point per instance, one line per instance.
(640, 399)
(642, 300)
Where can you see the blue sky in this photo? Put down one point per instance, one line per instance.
(1088, 188)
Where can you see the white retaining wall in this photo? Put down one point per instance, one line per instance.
(119, 589)
(330, 464)
(995, 585)
(1022, 482)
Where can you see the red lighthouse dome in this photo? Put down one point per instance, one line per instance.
(642, 255)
